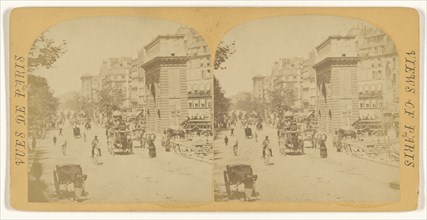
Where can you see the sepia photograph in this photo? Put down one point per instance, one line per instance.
(120, 110)
(306, 110)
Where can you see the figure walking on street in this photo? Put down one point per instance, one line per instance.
(151, 148)
(266, 150)
(232, 132)
(322, 146)
(95, 146)
(226, 140)
(60, 132)
(33, 143)
(64, 148)
(84, 136)
(235, 148)
(256, 137)
(54, 140)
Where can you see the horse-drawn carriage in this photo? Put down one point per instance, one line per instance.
(68, 174)
(248, 133)
(234, 175)
(291, 140)
(120, 141)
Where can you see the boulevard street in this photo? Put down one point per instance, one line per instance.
(133, 177)
(308, 177)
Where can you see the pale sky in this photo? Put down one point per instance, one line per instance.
(259, 43)
(91, 40)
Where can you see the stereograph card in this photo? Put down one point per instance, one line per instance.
(214, 109)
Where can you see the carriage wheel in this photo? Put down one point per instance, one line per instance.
(227, 185)
(56, 182)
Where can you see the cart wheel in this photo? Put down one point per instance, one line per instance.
(227, 185)
(56, 182)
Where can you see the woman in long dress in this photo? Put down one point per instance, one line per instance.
(151, 149)
(323, 149)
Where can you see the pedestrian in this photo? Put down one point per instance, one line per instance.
(232, 132)
(226, 140)
(60, 132)
(322, 146)
(235, 148)
(84, 136)
(151, 148)
(54, 140)
(95, 143)
(256, 137)
(266, 150)
(249, 185)
(33, 143)
(64, 148)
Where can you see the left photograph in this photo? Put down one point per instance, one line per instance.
(120, 111)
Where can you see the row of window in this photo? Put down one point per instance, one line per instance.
(199, 103)
(374, 103)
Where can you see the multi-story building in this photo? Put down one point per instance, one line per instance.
(199, 75)
(165, 66)
(377, 78)
(308, 83)
(114, 74)
(286, 74)
(258, 87)
(336, 79)
(87, 85)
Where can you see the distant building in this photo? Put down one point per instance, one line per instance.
(308, 83)
(259, 87)
(336, 78)
(87, 85)
(114, 74)
(165, 82)
(286, 74)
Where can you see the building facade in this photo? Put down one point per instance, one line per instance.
(377, 78)
(87, 85)
(199, 75)
(165, 81)
(308, 83)
(336, 80)
(286, 74)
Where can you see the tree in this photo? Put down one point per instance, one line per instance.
(281, 100)
(110, 99)
(42, 105)
(79, 103)
(221, 103)
(44, 53)
(223, 52)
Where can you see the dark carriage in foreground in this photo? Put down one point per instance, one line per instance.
(234, 175)
(76, 132)
(65, 175)
(248, 133)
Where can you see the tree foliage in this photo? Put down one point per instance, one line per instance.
(223, 52)
(281, 100)
(42, 105)
(44, 53)
(78, 103)
(245, 101)
(221, 103)
(110, 99)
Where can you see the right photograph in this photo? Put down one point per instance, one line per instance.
(306, 109)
